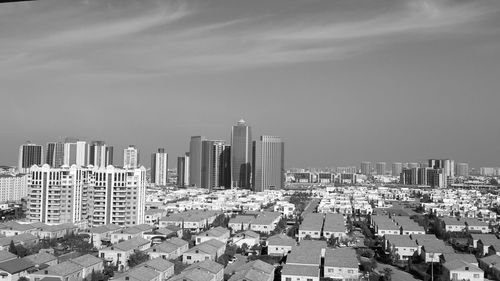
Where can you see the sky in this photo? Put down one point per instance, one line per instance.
(341, 81)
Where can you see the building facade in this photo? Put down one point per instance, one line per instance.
(130, 157)
(269, 164)
(159, 167)
(241, 155)
(29, 154)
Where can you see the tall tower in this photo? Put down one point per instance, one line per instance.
(181, 165)
(269, 163)
(215, 166)
(366, 168)
(76, 152)
(130, 157)
(195, 153)
(397, 168)
(241, 155)
(380, 168)
(159, 167)
(101, 155)
(55, 154)
(29, 154)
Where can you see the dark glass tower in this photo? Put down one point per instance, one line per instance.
(241, 155)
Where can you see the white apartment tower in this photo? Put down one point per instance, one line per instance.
(98, 195)
(159, 167)
(118, 196)
(130, 157)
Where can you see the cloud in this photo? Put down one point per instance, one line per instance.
(185, 36)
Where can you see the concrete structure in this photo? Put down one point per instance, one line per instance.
(130, 157)
(29, 154)
(269, 165)
(55, 154)
(159, 167)
(13, 187)
(195, 160)
(241, 155)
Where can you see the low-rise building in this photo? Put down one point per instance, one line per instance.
(14, 269)
(219, 233)
(311, 226)
(170, 249)
(342, 264)
(247, 237)
(208, 250)
(253, 271)
(280, 245)
(460, 270)
(118, 254)
(207, 270)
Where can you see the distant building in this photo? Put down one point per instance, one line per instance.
(241, 155)
(101, 155)
(13, 187)
(215, 164)
(380, 168)
(269, 165)
(195, 158)
(130, 157)
(159, 167)
(462, 170)
(397, 168)
(29, 154)
(366, 168)
(76, 152)
(347, 170)
(55, 154)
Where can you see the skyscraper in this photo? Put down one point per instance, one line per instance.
(187, 160)
(29, 154)
(195, 153)
(447, 166)
(269, 164)
(130, 157)
(101, 155)
(397, 168)
(215, 166)
(159, 167)
(366, 168)
(462, 170)
(241, 155)
(76, 152)
(181, 165)
(380, 168)
(55, 154)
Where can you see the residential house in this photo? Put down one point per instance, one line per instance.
(334, 226)
(170, 249)
(201, 271)
(240, 223)
(138, 274)
(383, 225)
(491, 266)
(300, 272)
(153, 216)
(129, 233)
(66, 271)
(247, 237)
(342, 264)
(219, 233)
(311, 226)
(477, 226)
(6, 255)
(461, 270)
(280, 245)
(208, 250)
(119, 254)
(265, 222)
(12, 270)
(101, 235)
(253, 271)
(42, 258)
(89, 264)
(162, 266)
(401, 247)
(25, 239)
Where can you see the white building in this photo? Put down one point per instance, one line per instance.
(13, 187)
(130, 157)
(159, 167)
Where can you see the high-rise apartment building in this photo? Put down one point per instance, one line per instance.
(215, 164)
(380, 168)
(412, 165)
(55, 154)
(195, 153)
(100, 155)
(397, 168)
(159, 167)
(13, 187)
(118, 196)
(76, 152)
(366, 168)
(29, 154)
(269, 163)
(59, 195)
(181, 164)
(347, 170)
(423, 176)
(241, 155)
(462, 170)
(130, 157)
(98, 195)
(447, 166)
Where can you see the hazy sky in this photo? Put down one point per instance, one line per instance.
(340, 81)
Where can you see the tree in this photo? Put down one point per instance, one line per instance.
(307, 237)
(21, 251)
(137, 258)
(23, 278)
(387, 274)
(12, 247)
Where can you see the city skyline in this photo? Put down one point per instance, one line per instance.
(428, 67)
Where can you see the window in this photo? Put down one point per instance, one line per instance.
(188, 257)
(476, 275)
(288, 279)
(309, 279)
